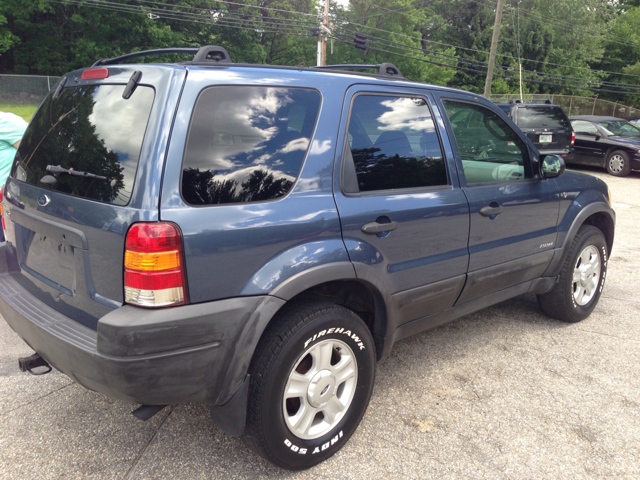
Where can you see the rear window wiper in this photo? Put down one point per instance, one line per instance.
(71, 171)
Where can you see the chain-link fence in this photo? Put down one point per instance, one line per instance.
(575, 105)
(25, 88)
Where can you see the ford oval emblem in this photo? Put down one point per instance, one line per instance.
(43, 200)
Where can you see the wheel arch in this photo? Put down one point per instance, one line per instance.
(334, 281)
(339, 284)
(599, 214)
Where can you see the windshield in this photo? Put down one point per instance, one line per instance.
(86, 142)
(620, 128)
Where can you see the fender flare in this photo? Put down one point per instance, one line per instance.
(560, 253)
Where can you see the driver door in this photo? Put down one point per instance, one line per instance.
(513, 213)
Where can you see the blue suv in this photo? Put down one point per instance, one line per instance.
(256, 237)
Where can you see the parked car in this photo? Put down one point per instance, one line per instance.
(545, 125)
(256, 237)
(608, 142)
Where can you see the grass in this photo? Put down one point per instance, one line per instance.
(24, 110)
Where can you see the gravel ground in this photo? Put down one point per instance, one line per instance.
(503, 393)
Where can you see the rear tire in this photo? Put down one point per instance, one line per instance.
(581, 279)
(311, 380)
(618, 164)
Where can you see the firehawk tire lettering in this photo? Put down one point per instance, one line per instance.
(348, 333)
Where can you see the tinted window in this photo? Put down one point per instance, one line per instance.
(87, 129)
(490, 150)
(247, 144)
(393, 144)
(548, 117)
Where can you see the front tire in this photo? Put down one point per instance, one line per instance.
(581, 279)
(311, 381)
(618, 164)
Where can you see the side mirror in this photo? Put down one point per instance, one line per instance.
(552, 166)
(597, 137)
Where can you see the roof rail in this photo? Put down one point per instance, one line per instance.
(386, 69)
(210, 53)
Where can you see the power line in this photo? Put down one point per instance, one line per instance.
(293, 29)
(390, 43)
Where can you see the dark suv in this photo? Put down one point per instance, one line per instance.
(257, 237)
(545, 125)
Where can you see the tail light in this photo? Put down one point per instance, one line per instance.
(573, 137)
(154, 266)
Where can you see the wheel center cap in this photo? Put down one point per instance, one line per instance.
(321, 388)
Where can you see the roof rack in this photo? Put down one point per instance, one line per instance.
(386, 69)
(210, 53)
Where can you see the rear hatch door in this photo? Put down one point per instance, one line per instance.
(89, 165)
(546, 126)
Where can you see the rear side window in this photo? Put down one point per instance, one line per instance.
(86, 142)
(547, 117)
(247, 144)
(393, 144)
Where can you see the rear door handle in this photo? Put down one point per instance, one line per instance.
(375, 227)
(492, 209)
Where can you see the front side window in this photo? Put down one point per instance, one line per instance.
(393, 144)
(86, 142)
(619, 128)
(247, 144)
(490, 150)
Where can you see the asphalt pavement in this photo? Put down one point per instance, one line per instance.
(503, 393)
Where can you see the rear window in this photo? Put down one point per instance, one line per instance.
(547, 117)
(86, 142)
(247, 144)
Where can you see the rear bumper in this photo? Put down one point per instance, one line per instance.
(562, 152)
(193, 353)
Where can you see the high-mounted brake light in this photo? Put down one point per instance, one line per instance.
(94, 74)
(573, 137)
(153, 266)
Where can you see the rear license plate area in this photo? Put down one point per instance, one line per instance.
(546, 138)
(50, 261)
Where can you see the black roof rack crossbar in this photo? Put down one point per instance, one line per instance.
(210, 53)
(386, 69)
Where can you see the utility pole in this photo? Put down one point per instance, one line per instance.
(324, 33)
(321, 57)
(494, 47)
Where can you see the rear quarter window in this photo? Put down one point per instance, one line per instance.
(246, 143)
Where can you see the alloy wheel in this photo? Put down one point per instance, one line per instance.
(586, 275)
(320, 389)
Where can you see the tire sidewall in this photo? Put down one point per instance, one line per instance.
(595, 238)
(296, 453)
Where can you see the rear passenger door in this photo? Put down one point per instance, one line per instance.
(513, 213)
(405, 221)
